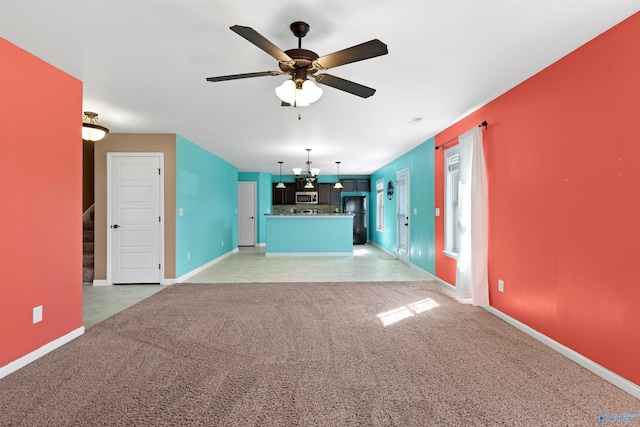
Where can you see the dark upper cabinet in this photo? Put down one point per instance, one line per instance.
(327, 195)
(356, 184)
(324, 193)
(334, 195)
(286, 196)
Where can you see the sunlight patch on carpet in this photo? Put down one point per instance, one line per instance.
(397, 314)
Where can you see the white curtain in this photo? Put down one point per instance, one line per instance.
(471, 273)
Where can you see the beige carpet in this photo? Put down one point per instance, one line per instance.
(306, 354)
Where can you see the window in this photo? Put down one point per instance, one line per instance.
(380, 205)
(451, 171)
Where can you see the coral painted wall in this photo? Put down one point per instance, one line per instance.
(562, 151)
(41, 192)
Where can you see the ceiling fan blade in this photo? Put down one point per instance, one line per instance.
(243, 76)
(345, 85)
(257, 39)
(366, 50)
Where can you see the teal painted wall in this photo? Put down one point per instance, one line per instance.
(263, 199)
(421, 164)
(207, 193)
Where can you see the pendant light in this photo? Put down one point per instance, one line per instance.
(280, 183)
(338, 184)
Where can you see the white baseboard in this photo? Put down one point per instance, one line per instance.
(615, 379)
(101, 282)
(202, 267)
(36, 354)
(604, 373)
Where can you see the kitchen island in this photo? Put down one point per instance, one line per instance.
(309, 235)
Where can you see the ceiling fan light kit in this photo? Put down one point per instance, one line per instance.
(298, 94)
(300, 64)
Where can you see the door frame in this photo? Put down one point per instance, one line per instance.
(110, 156)
(404, 174)
(254, 185)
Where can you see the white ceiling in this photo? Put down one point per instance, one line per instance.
(144, 64)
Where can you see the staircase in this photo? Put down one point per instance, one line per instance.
(87, 250)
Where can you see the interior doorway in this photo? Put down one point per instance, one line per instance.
(402, 214)
(135, 235)
(247, 213)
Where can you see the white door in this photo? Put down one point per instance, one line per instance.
(134, 217)
(246, 214)
(402, 214)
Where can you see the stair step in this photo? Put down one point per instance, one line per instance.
(87, 261)
(87, 275)
(88, 248)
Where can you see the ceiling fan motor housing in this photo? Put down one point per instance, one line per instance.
(299, 29)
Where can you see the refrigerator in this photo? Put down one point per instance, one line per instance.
(357, 205)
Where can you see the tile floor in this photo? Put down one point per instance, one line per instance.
(249, 264)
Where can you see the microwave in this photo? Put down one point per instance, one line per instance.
(310, 197)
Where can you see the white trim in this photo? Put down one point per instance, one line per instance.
(110, 156)
(36, 354)
(599, 370)
(86, 215)
(201, 268)
(295, 254)
(604, 373)
(383, 249)
(101, 282)
(453, 255)
(610, 376)
(261, 244)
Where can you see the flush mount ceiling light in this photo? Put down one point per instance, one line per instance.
(309, 176)
(91, 130)
(280, 183)
(338, 184)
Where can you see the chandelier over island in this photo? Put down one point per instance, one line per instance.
(308, 176)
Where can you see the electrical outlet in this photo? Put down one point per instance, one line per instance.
(188, 256)
(419, 252)
(223, 243)
(501, 285)
(37, 314)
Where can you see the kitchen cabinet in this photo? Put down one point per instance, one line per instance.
(327, 195)
(356, 184)
(286, 196)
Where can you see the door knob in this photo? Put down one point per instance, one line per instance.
(115, 226)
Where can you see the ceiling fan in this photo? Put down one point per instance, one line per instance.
(302, 64)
